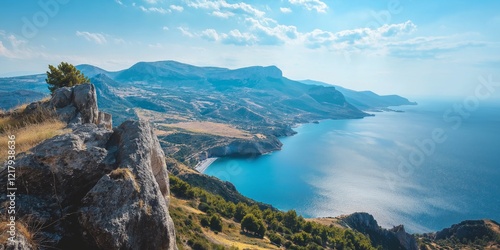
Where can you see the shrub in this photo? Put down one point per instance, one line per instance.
(65, 75)
(216, 223)
(252, 224)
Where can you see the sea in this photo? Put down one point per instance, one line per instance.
(428, 167)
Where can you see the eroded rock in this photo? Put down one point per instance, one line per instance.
(125, 206)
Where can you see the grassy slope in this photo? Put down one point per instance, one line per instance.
(29, 130)
(187, 224)
(190, 206)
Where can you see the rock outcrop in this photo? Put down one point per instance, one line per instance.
(469, 234)
(469, 230)
(75, 105)
(125, 206)
(395, 238)
(246, 148)
(93, 188)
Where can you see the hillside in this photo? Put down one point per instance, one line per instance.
(193, 108)
(366, 100)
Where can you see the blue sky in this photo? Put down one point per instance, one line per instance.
(391, 46)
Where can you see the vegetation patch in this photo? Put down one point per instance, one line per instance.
(211, 128)
(29, 128)
(250, 224)
(125, 174)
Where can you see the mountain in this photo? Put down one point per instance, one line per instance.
(10, 99)
(22, 89)
(366, 100)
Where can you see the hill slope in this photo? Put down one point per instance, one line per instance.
(366, 100)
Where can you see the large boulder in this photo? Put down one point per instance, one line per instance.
(85, 100)
(125, 206)
(69, 164)
(76, 105)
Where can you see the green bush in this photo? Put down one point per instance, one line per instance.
(216, 223)
(65, 75)
(252, 224)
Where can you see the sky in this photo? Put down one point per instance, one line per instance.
(404, 47)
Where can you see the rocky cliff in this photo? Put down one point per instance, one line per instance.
(246, 148)
(395, 238)
(469, 234)
(92, 188)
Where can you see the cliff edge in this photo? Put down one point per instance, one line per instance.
(92, 188)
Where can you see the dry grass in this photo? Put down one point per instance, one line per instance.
(30, 136)
(155, 116)
(29, 128)
(21, 229)
(212, 128)
(126, 174)
(327, 221)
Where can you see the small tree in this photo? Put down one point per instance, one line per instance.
(216, 223)
(65, 75)
(252, 224)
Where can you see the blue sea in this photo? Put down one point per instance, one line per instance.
(429, 167)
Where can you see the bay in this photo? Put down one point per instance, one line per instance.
(427, 168)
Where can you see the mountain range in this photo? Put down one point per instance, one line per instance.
(220, 111)
(257, 93)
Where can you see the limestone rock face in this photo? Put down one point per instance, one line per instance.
(76, 105)
(85, 100)
(138, 146)
(105, 119)
(126, 206)
(68, 164)
(93, 188)
(62, 97)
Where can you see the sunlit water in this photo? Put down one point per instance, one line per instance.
(375, 165)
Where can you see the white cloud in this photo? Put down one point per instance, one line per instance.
(222, 5)
(156, 46)
(176, 8)
(233, 37)
(93, 37)
(358, 38)
(286, 10)
(430, 47)
(160, 10)
(13, 47)
(152, 1)
(100, 38)
(270, 32)
(211, 35)
(225, 14)
(165, 28)
(316, 5)
(186, 32)
(396, 29)
(3, 50)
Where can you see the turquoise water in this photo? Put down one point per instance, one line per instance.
(376, 165)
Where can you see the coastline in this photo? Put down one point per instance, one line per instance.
(203, 165)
